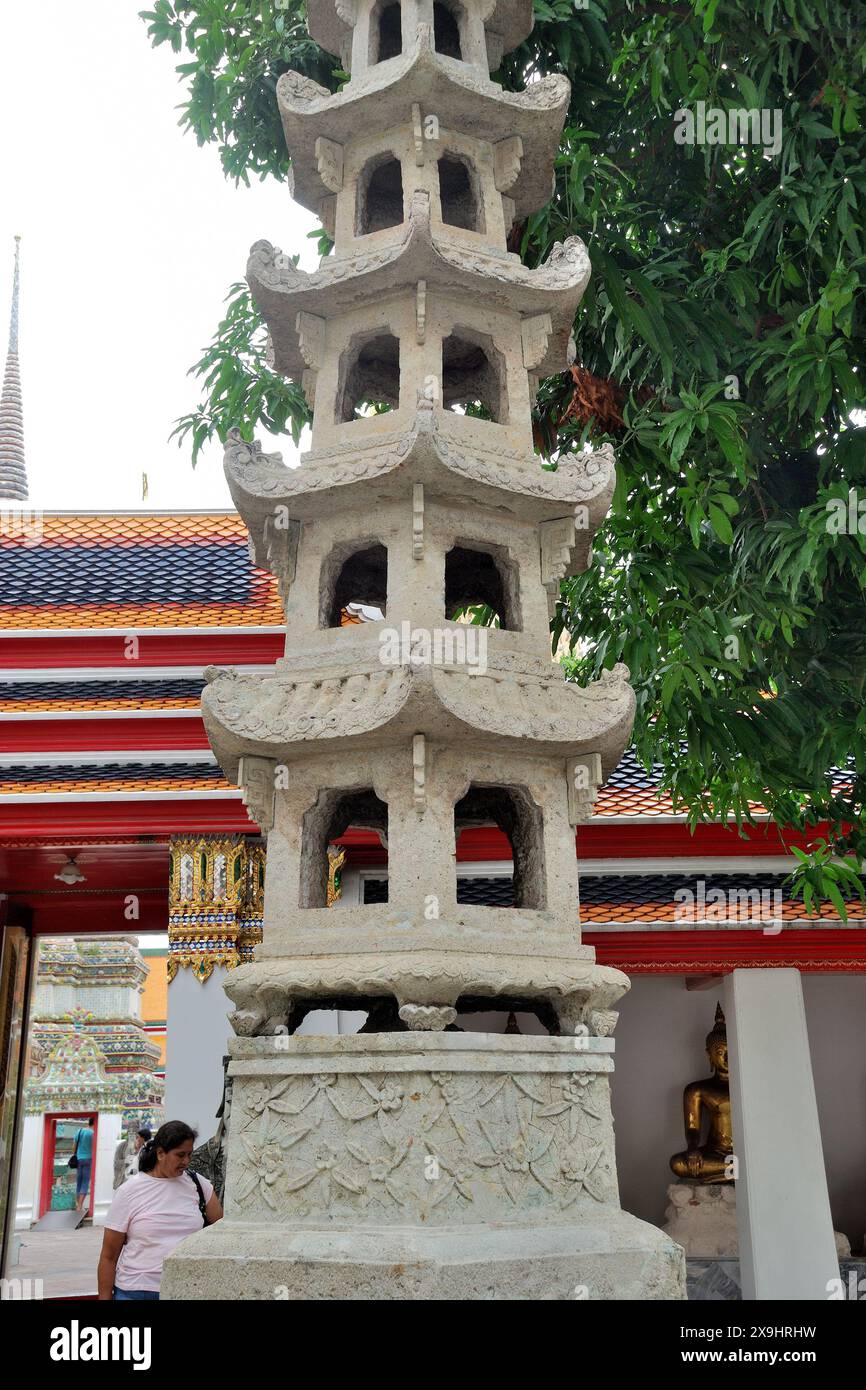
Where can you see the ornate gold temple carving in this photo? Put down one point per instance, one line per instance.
(336, 859)
(215, 901)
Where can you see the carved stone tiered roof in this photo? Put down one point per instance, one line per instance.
(419, 167)
(268, 715)
(311, 115)
(283, 292)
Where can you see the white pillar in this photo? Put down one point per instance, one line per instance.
(787, 1250)
(102, 1173)
(29, 1172)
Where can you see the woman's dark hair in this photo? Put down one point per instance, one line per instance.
(144, 1134)
(169, 1136)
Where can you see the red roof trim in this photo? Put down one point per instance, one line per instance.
(101, 735)
(175, 649)
(717, 953)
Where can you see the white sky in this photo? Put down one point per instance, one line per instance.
(131, 237)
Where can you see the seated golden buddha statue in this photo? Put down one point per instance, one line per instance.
(709, 1162)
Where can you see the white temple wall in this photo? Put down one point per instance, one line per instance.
(660, 1048)
(836, 1020)
(197, 1031)
(197, 1035)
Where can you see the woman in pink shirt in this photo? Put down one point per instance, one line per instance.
(153, 1212)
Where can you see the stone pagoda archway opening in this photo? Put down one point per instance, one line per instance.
(379, 201)
(446, 31)
(473, 376)
(474, 576)
(356, 575)
(334, 812)
(369, 378)
(472, 1007)
(460, 194)
(386, 33)
(513, 811)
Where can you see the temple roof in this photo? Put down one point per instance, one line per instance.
(650, 898)
(134, 570)
(646, 899)
(630, 793)
(72, 695)
(27, 779)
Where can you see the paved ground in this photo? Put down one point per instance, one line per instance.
(65, 1261)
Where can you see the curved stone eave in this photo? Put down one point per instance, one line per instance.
(474, 105)
(275, 717)
(260, 482)
(330, 22)
(281, 291)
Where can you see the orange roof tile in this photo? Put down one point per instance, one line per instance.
(134, 570)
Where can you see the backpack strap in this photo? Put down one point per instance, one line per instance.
(201, 1201)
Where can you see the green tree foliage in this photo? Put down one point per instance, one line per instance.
(719, 347)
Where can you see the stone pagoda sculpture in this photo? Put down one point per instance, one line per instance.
(416, 1160)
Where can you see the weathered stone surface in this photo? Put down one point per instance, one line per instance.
(406, 1167)
(332, 22)
(458, 477)
(271, 713)
(265, 991)
(413, 1160)
(702, 1218)
(450, 270)
(460, 97)
(609, 1256)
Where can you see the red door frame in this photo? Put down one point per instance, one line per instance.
(48, 1147)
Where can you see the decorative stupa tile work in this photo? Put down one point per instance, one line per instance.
(86, 1026)
(413, 1159)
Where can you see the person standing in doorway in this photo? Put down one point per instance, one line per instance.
(83, 1150)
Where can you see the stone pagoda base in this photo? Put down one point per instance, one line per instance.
(702, 1218)
(423, 1166)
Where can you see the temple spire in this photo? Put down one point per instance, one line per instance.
(13, 472)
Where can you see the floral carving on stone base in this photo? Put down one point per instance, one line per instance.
(422, 1145)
